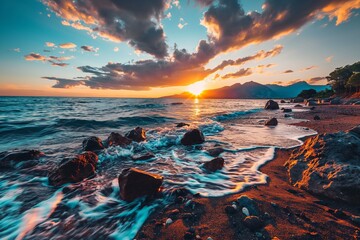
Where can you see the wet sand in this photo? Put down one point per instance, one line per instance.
(288, 212)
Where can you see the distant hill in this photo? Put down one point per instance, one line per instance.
(253, 90)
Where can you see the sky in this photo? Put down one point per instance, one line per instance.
(119, 48)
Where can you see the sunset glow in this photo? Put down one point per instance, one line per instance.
(196, 88)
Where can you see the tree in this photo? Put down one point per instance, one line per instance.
(354, 81)
(310, 93)
(339, 77)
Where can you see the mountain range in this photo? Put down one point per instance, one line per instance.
(253, 90)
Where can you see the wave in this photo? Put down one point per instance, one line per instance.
(234, 115)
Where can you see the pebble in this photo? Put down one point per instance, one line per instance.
(169, 221)
(245, 211)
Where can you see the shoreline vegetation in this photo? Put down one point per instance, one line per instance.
(282, 211)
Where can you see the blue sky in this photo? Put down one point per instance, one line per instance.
(318, 44)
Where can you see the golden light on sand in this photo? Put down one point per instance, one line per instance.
(196, 88)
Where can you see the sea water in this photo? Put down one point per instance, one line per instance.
(32, 209)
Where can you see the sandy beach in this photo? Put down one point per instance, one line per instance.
(288, 212)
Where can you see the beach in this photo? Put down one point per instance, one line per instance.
(292, 213)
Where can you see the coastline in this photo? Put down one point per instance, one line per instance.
(292, 213)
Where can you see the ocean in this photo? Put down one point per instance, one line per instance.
(32, 209)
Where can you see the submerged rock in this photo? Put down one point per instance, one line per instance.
(282, 101)
(20, 158)
(271, 122)
(74, 170)
(271, 105)
(215, 164)
(328, 165)
(116, 139)
(214, 152)
(92, 144)
(182, 125)
(138, 134)
(143, 157)
(194, 136)
(298, 106)
(136, 183)
(285, 110)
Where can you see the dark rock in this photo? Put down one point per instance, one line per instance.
(214, 152)
(92, 144)
(287, 115)
(298, 106)
(328, 165)
(316, 117)
(194, 136)
(297, 100)
(146, 156)
(230, 209)
(311, 103)
(116, 139)
(138, 134)
(215, 164)
(285, 110)
(271, 122)
(253, 223)
(179, 200)
(74, 170)
(19, 158)
(189, 236)
(355, 131)
(135, 183)
(182, 125)
(249, 203)
(282, 101)
(312, 108)
(335, 101)
(271, 105)
(177, 103)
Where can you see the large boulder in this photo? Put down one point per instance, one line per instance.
(328, 165)
(19, 158)
(138, 134)
(135, 183)
(193, 136)
(74, 170)
(311, 103)
(214, 164)
(92, 144)
(271, 105)
(271, 122)
(116, 139)
(297, 100)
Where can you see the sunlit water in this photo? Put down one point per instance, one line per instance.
(31, 209)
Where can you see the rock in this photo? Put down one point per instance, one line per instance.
(230, 209)
(253, 223)
(271, 122)
(298, 106)
(297, 100)
(194, 136)
(177, 103)
(316, 117)
(146, 156)
(248, 203)
(116, 139)
(92, 144)
(285, 110)
(287, 115)
(74, 170)
(136, 183)
(168, 221)
(19, 158)
(311, 103)
(214, 152)
(189, 236)
(335, 101)
(138, 134)
(271, 105)
(328, 165)
(215, 164)
(245, 211)
(355, 131)
(312, 108)
(282, 101)
(182, 125)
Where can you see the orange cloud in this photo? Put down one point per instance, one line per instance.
(68, 45)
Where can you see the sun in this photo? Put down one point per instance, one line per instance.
(196, 88)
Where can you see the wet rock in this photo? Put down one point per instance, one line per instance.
(116, 139)
(92, 144)
(194, 136)
(138, 134)
(285, 110)
(311, 103)
(189, 236)
(328, 164)
(230, 209)
(214, 152)
(20, 158)
(135, 183)
(271, 122)
(287, 115)
(245, 211)
(143, 157)
(355, 131)
(253, 223)
(271, 105)
(74, 170)
(298, 106)
(168, 221)
(297, 100)
(312, 108)
(316, 117)
(282, 101)
(177, 103)
(249, 203)
(215, 164)
(335, 101)
(179, 125)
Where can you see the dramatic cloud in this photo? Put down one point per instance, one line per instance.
(316, 80)
(288, 71)
(89, 48)
(64, 83)
(136, 21)
(241, 73)
(54, 61)
(67, 45)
